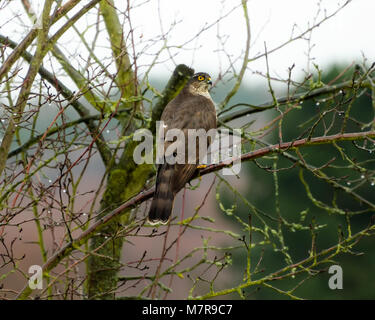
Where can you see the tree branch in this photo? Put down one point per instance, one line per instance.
(245, 59)
(179, 78)
(29, 38)
(289, 146)
(223, 117)
(147, 194)
(83, 112)
(26, 86)
(125, 75)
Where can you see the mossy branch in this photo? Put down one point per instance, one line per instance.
(83, 112)
(179, 78)
(30, 37)
(26, 86)
(125, 75)
(125, 180)
(104, 220)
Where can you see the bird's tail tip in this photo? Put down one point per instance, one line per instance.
(160, 214)
(157, 221)
(162, 203)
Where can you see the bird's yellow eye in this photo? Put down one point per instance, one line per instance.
(200, 78)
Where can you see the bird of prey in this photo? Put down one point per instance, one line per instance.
(192, 108)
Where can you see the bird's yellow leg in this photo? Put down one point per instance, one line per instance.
(202, 166)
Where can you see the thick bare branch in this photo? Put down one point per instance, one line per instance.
(147, 194)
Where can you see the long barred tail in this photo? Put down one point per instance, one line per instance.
(162, 203)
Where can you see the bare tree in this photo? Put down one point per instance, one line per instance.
(70, 108)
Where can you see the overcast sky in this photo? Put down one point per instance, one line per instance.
(341, 39)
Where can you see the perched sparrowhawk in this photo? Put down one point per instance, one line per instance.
(192, 108)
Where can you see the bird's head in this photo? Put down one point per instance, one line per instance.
(200, 83)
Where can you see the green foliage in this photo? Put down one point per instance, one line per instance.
(298, 212)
